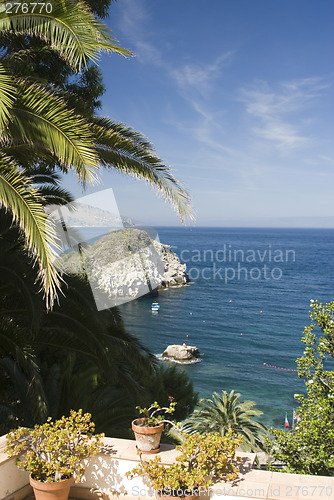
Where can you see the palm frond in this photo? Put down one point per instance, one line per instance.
(28, 388)
(7, 95)
(16, 295)
(55, 195)
(27, 211)
(224, 412)
(41, 118)
(129, 152)
(71, 29)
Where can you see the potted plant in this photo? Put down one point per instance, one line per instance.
(54, 452)
(203, 459)
(148, 429)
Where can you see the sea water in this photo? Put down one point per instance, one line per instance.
(245, 309)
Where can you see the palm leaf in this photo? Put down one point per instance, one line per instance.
(7, 96)
(71, 29)
(16, 295)
(129, 152)
(224, 412)
(27, 210)
(41, 118)
(28, 388)
(55, 195)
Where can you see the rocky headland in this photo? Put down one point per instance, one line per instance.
(127, 264)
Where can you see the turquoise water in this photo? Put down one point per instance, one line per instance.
(230, 288)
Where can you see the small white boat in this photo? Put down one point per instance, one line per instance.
(155, 307)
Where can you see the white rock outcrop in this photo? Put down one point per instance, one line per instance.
(126, 264)
(181, 352)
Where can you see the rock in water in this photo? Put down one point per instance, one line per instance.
(181, 352)
(126, 264)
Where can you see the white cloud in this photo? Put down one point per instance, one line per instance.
(200, 76)
(285, 135)
(327, 159)
(134, 15)
(134, 20)
(279, 112)
(147, 53)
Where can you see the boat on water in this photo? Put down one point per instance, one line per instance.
(155, 306)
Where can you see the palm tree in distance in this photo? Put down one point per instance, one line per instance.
(39, 126)
(225, 412)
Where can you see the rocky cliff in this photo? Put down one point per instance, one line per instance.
(126, 264)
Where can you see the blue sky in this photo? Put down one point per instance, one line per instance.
(237, 97)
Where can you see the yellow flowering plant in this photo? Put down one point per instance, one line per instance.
(203, 459)
(57, 449)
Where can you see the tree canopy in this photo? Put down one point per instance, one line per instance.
(309, 447)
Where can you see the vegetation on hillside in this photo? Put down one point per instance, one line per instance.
(309, 447)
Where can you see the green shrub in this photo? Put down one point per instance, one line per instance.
(202, 460)
(309, 447)
(55, 450)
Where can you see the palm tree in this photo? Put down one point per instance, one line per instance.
(225, 412)
(37, 125)
(34, 117)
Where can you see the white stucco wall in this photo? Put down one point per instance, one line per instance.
(11, 478)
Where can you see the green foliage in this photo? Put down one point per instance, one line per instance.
(170, 379)
(222, 413)
(47, 72)
(33, 116)
(129, 152)
(7, 93)
(86, 91)
(100, 7)
(90, 355)
(309, 447)
(202, 460)
(47, 118)
(73, 356)
(55, 450)
(152, 414)
(25, 204)
(71, 29)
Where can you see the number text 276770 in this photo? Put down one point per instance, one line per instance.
(28, 7)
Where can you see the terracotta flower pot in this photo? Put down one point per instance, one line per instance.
(51, 491)
(147, 438)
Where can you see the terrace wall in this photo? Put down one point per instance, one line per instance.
(105, 479)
